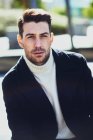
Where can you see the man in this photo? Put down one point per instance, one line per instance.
(48, 94)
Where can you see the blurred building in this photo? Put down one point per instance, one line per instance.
(5, 3)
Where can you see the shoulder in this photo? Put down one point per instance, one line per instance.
(72, 62)
(70, 57)
(11, 77)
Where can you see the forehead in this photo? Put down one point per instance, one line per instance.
(33, 27)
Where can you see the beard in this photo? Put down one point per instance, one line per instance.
(38, 56)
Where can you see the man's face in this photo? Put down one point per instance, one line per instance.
(36, 42)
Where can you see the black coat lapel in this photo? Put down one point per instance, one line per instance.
(71, 93)
(36, 102)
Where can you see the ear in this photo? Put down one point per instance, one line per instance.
(52, 36)
(19, 40)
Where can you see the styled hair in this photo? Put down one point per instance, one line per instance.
(34, 15)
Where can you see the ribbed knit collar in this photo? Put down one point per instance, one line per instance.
(40, 69)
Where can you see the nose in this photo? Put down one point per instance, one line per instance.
(38, 43)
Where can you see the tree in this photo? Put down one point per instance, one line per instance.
(19, 4)
(88, 12)
(27, 4)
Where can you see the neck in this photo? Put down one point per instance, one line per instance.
(42, 68)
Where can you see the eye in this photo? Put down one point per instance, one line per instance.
(44, 35)
(30, 37)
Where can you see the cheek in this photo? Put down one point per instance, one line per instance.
(28, 45)
(47, 43)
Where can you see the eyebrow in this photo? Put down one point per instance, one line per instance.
(31, 34)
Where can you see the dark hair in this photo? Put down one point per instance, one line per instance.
(36, 15)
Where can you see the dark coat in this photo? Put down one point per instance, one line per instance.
(31, 115)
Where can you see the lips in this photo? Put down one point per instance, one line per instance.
(38, 53)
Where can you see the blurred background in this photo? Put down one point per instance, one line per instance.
(72, 24)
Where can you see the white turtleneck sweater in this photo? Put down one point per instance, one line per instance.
(46, 76)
